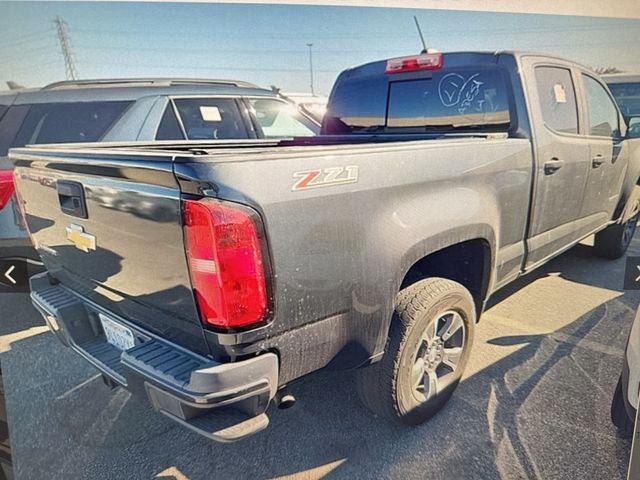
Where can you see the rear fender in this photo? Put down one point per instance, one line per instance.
(429, 246)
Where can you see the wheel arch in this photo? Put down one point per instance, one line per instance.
(426, 259)
(468, 261)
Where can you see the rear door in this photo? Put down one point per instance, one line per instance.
(562, 158)
(607, 166)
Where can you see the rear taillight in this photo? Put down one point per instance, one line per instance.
(6, 187)
(425, 61)
(23, 214)
(226, 263)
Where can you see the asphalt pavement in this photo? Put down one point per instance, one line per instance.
(534, 402)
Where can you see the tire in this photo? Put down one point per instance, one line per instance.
(619, 415)
(613, 241)
(418, 349)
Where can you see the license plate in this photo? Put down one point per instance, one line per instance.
(117, 335)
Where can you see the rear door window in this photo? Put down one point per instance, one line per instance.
(211, 118)
(278, 119)
(557, 99)
(68, 122)
(603, 114)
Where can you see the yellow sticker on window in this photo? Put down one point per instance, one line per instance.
(210, 114)
(559, 92)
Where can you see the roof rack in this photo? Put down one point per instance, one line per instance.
(162, 82)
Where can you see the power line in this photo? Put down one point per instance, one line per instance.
(65, 46)
(29, 68)
(174, 66)
(27, 53)
(37, 33)
(489, 31)
(322, 51)
(25, 42)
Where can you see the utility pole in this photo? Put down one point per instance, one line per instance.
(62, 30)
(310, 45)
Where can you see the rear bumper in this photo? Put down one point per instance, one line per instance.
(222, 401)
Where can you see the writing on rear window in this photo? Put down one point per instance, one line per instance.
(456, 90)
(450, 100)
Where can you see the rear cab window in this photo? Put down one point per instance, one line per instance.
(462, 97)
(68, 122)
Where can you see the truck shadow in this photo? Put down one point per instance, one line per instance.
(533, 405)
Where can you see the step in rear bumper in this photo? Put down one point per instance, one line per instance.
(223, 401)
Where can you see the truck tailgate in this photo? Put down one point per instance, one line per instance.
(108, 226)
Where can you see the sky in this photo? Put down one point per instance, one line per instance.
(267, 44)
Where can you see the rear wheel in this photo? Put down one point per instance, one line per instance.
(428, 347)
(613, 241)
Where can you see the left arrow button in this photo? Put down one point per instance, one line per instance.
(7, 274)
(14, 275)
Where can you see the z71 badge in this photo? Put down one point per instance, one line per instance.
(325, 177)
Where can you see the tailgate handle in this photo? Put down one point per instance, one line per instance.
(71, 197)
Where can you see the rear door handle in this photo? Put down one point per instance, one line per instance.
(597, 161)
(552, 166)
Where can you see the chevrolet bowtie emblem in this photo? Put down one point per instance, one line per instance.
(81, 239)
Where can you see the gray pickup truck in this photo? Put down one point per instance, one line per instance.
(437, 180)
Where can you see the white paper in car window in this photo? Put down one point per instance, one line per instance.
(560, 94)
(210, 114)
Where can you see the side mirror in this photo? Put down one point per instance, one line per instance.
(633, 127)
